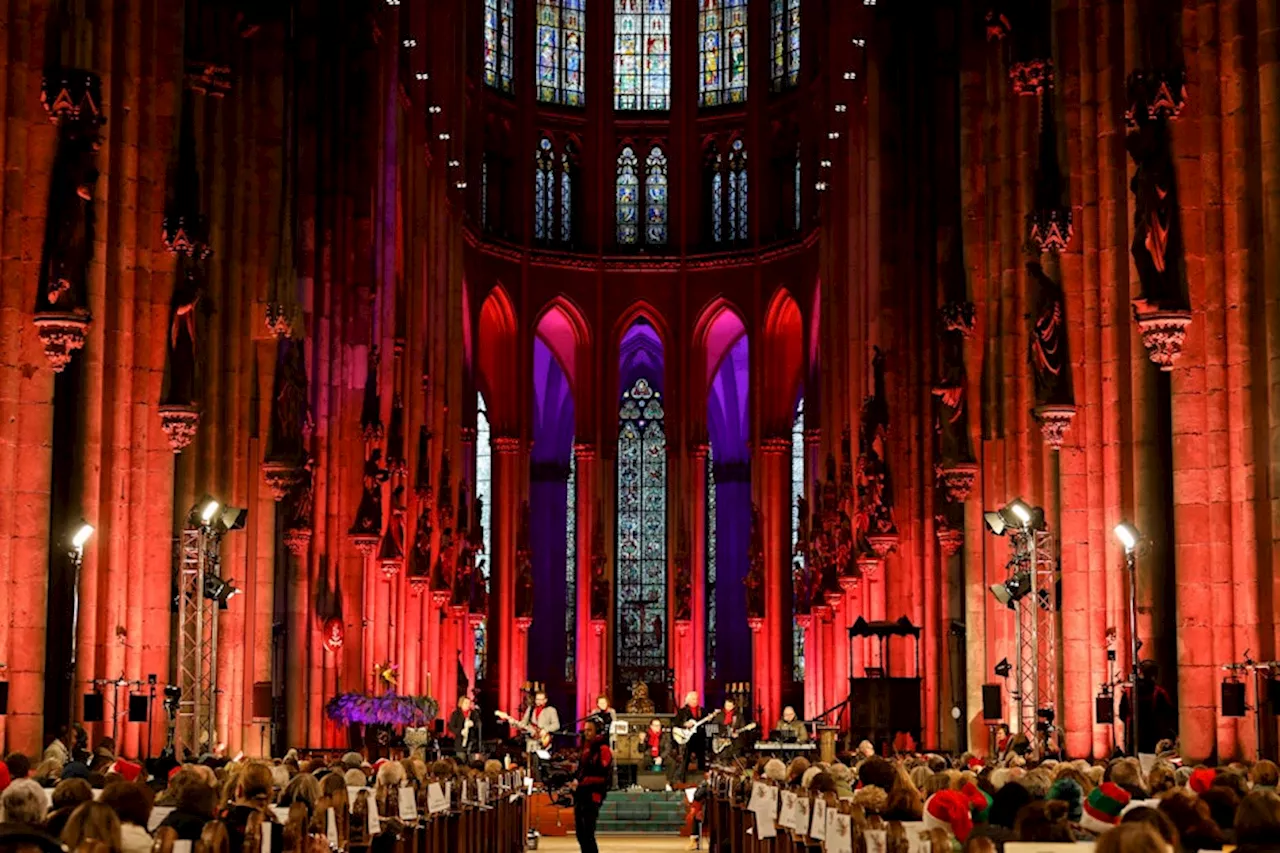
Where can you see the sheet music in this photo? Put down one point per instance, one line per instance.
(158, 814)
(877, 840)
(330, 829)
(371, 811)
(841, 841)
(802, 815)
(787, 818)
(182, 846)
(281, 813)
(265, 846)
(436, 800)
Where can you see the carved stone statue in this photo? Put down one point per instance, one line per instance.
(302, 504)
(639, 703)
(69, 229)
(180, 389)
(1048, 345)
(369, 513)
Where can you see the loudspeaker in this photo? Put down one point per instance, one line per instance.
(1233, 698)
(262, 700)
(93, 707)
(4, 698)
(992, 707)
(1273, 695)
(1104, 708)
(139, 708)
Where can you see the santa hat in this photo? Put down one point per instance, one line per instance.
(974, 763)
(377, 765)
(174, 771)
(5, 778)
(949, 810)
(1201, 779)
(127, 769)
(1103, 807)
(979, 801)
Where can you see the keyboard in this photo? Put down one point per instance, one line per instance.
(767, 745)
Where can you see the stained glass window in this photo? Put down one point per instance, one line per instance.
(712, 668)
(642, 54)
(566, 196)
(561, 35)
(499, 18)
(717, 200)
(544, 191)
(484, 492)
(484, 191)
(655, 189)
(738, 191)
(797, 492)
(722, 52)
(571, 573)
(784, 43)
(642, 536)
(628, 202)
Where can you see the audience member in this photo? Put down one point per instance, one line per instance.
(1131, 838)
(24, 802)
(1257, 823)
(67, 796)
(93, 824)
(132, 803)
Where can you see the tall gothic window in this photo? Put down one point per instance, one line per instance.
(628, 198)
(499, 21)
(712, 669)
(484, 491)
(642, 535)
(553, 194)
(655, 188)
(728, 194)
(784, 44)
(561, 34)
(566, 195)
(722, 52)
(738, 191)
(797, 492)
(642, 54)
(571, 572)
(544, 191)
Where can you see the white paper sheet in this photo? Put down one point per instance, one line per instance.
(818, 826)
(482, 791)
(1146, 761)
(877, 840)
(757, 796)
(371, 812)
(158, 814)
(281, 813)
(787, 817)
(764, 827)
(841, 841)
(689, 792)
(802, 815)
(408, 804)
(330, 829)
(437, 802)
(182, 846)
(265, 846)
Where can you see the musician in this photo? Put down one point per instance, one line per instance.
(591, 785)
(689, 716)
(603, 714)
(660, 752)
(791, 727)
(731, 724)
(539, 719)
(464, 725)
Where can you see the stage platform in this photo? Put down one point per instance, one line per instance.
(617, 844)
(648, 813)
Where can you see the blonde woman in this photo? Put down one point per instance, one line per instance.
(93, 826)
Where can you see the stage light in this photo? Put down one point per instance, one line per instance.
(1003, 668)
(995, 522)
(1012, 590)
(1020, 511)
(1128, 536)
(219, 590)
(83, 531)
(233, 517)
(207, 507)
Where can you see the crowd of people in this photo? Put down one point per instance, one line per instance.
(965, 804)
(99, 803)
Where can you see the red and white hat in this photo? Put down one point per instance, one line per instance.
(949, 810)
(1103, 807)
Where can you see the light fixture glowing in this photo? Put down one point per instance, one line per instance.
(851, 75)
(435, 109)
(422, 75)
(842, 108)
(820, 186)
(83, 531)
(208, 509)
(826, 164)
(1020, 511)
(857, 42)
(462, 185)
(453, 164)
(1128, 536)
(410, 42)
(835, 134)
(444, 137)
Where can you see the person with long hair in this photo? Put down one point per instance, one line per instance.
(1257, 823)
(1130, 838)
(93, 826)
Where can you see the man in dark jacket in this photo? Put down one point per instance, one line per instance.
(1157, 717)
(591, 785)
(464, 726)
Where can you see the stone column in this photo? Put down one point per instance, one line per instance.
(698, 566)
(774, 497)
(591, 674)
(504, 643)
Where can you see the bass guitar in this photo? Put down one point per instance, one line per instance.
(720, 744)
(684, 734)
(534, 732)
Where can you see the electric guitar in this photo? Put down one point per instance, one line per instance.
(720, 744)
(684, 734)
(534, 732)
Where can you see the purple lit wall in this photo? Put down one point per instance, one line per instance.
(727, 425)
(553, 427)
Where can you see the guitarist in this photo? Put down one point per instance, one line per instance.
(540, 720)
(688, 717)
(731, 726)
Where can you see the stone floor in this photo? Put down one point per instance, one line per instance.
(617, 844)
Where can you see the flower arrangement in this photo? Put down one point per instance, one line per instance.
(388, 709)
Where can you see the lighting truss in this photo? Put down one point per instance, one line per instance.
(196, 726)
(1035, 693)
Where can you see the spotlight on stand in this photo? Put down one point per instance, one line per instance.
(1014, 514)
(83, 531)
(1012, 590)
(213, 514)
(1003, 668)
(1128, 536)
(1044, 720)
(206, 508)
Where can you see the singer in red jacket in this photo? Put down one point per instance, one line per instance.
(595, 769)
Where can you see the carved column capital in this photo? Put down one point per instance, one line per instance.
(775, 444)
(584, 451)
(1051, 230)
(1154, 95)
(506, 444)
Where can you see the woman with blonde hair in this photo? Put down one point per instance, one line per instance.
(93, 826)
(1131, 838)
